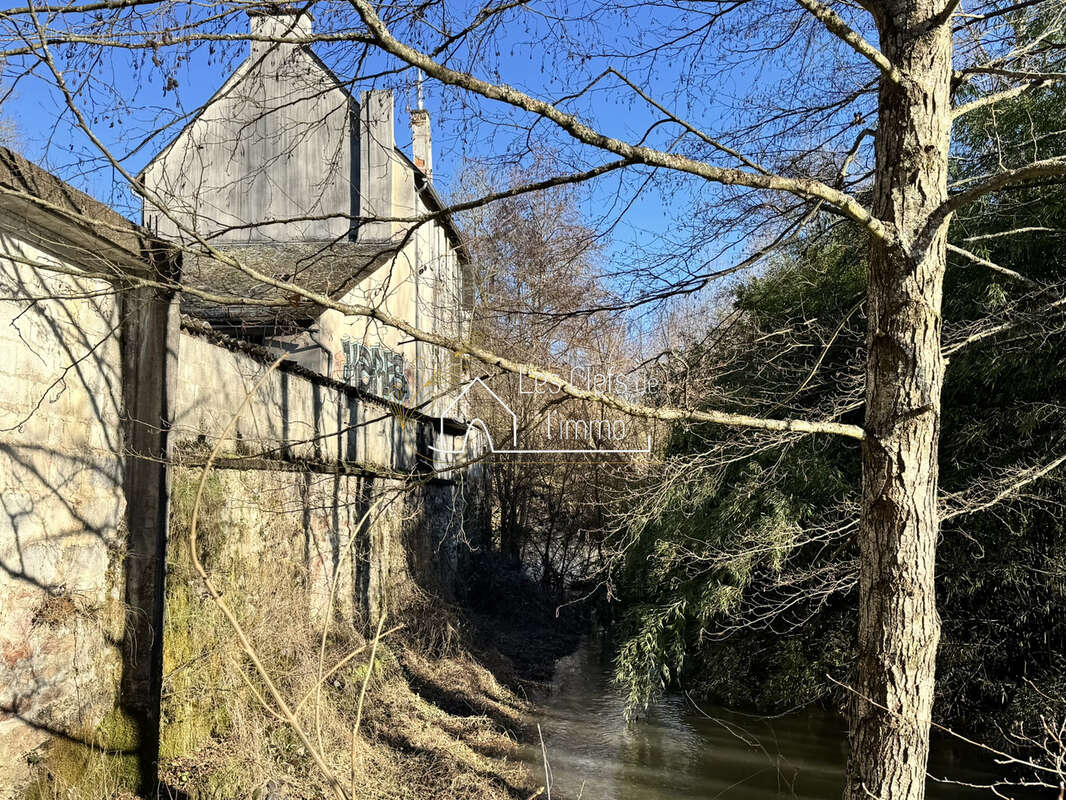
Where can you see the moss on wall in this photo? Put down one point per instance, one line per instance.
(201, 690)
(273, 543)
(92, 764)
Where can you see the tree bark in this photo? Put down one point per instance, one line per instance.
(898, 623)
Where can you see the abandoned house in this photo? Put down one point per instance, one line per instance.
(286, 171)
(114, 385)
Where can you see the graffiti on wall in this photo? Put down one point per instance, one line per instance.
(376, 369)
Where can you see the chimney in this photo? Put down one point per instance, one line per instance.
(421, 136)
(422, 141)
(275, 21)
(377, 144)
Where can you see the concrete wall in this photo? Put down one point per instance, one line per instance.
(288, 417)
(82, 486)
(62, 471)
(386, 544)
(310, 457)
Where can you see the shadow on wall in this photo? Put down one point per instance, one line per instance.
(91, 374)
(80, 434)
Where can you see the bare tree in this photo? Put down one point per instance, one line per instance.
(537, 266)
(906, 223)
(836, 104)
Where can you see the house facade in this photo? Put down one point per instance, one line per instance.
(111, 401)
(115, 385)
(288, 174)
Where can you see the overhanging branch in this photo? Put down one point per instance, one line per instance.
(839, 28)
(808, 188)
(1052, 167)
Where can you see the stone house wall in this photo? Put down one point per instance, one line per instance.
(306, 459)
(108, 407)
(62, 473)
(311, 456)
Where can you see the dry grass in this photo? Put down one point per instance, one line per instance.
(262, 698)
(431, 727)
(435, 723)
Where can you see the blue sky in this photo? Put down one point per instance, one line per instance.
(135, 115)
(127, 101)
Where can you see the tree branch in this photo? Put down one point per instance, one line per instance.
(993, 266)
(1018, 481)
(1018, 75)
(459, 347)
(455, 345)
(1052, 167)
(802, 187)
(839, 28)
(1013, 232)
(996, 97)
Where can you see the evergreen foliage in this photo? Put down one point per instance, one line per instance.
(740, 585)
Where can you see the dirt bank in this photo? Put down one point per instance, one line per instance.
(446, 706)
(435, 723)
(446, 699)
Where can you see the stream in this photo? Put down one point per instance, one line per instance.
(676, 752)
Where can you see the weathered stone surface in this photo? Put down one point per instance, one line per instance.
(290, 417)
(373, 543)
(79, 381)
(61, 476)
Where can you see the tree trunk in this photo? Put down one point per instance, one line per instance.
(898, 623)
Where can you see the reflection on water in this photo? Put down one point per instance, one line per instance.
(677, 753)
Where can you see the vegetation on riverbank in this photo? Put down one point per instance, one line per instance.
(739, 566)
(440, 717)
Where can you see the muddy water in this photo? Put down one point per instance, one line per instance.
(678, 753)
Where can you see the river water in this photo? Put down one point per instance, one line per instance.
(677, 752)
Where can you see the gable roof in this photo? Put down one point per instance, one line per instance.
(326, 268)
(234, 80)
(51, 214)
(424, 186)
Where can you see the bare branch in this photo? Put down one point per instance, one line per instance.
(459, 347)
(1019, 75)
(1015, 484)
(802, 187)
(468, 348)
(993, 266)
(1013, 232)
(1006, 94)
(1051, 167)
(839, 28)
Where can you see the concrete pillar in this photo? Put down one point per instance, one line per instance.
(151, 330)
